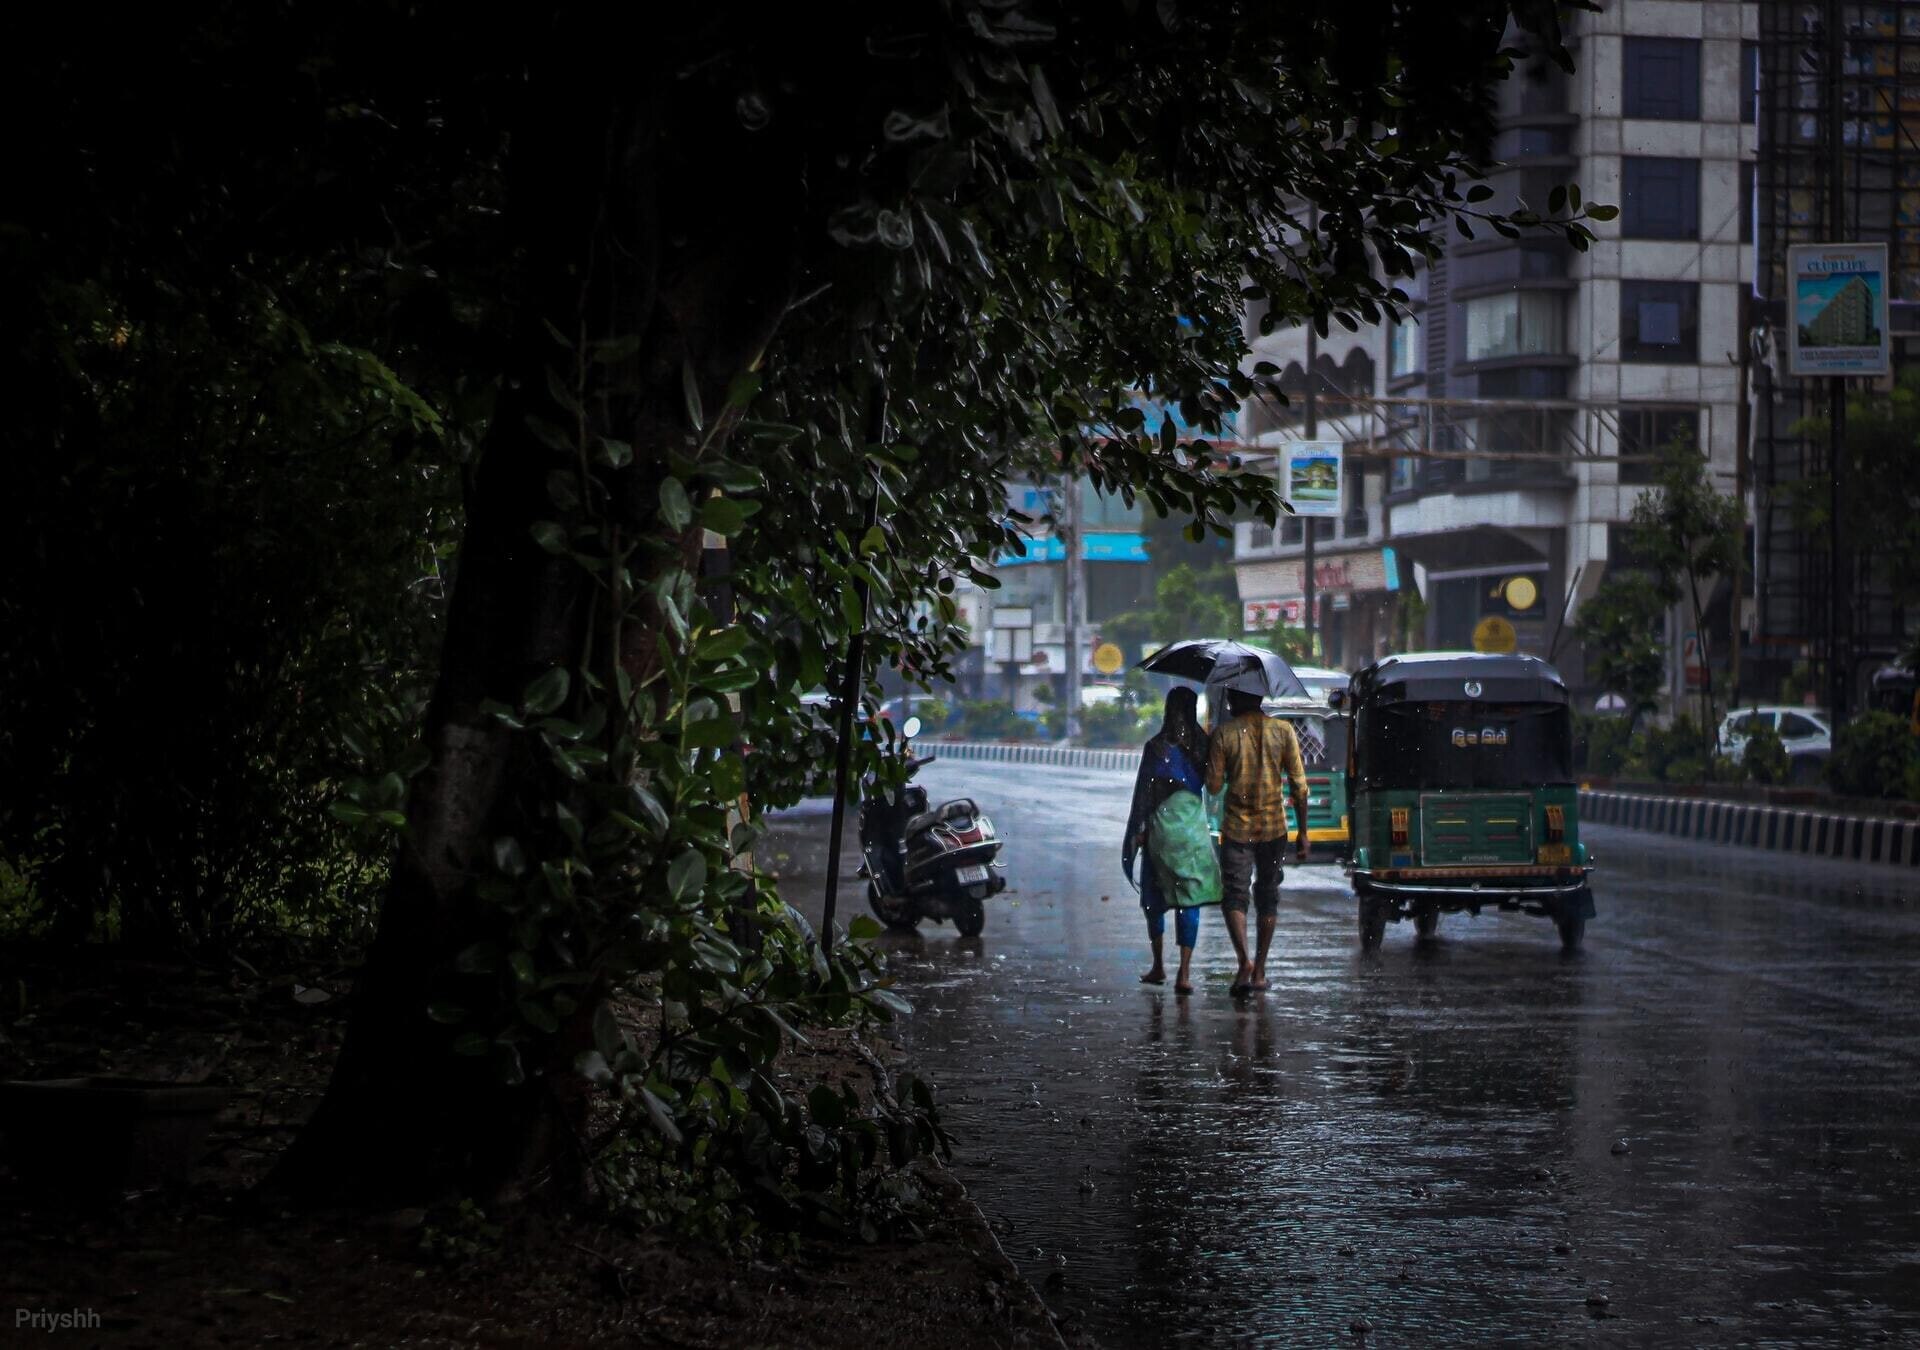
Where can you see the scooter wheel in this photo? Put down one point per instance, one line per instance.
(970, 918)
(895, 914)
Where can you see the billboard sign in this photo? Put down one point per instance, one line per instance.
(1310, 473)
(1839, 297)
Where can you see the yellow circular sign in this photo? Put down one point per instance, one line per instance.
(1107, 659)
(1495, 634)
(1521, 592)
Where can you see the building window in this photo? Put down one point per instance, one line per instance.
(1660, 321)
(1749, 203)
(1259, 537)
(1661, 79)
(1648, 431)
(1661, 198)
(1403, 350)
(1290, 530)
(1750, 82)
(1518, 323)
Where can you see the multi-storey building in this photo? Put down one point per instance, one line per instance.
(1504, 432)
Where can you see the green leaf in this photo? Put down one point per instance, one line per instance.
(687, 874)
(864, 928)
(592, 1066)
(509, 857)
(725, 515)
(1602, 212)
(660, 1115)
(482, 958)
(472, 1044)
(607, 1037)
(723, 644)
(742, 389)
(547, 692)
(732, 679)
(346, 811)
(675, 509)
(728, 777)
(506, 1064)
(450, 1013)
(614, 454)
(826, 1107)
(538, 1016)
(551, 535)
(650, 809)
(611, 351)
(522, 965)
(873, 541)
(690, 387)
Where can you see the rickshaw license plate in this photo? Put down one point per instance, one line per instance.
(1556, 853)
(967, 876)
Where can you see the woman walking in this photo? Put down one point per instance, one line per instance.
(1168, 825)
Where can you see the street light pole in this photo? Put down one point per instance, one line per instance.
(1837, 628)
(1309, 525)
(1075, 585)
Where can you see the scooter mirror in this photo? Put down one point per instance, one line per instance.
(911, 729)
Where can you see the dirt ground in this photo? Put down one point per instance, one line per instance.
(204, 1267)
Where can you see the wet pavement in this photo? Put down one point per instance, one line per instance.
(1703, 1129)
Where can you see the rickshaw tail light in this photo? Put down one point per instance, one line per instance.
(1556, 823)
(1399, 815)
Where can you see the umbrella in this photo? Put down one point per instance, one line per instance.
(1224, 663)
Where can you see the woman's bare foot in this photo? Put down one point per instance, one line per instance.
(1155, 976)
(1259, 981)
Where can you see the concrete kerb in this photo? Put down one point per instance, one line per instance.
(1029, 752)
(1781, 829)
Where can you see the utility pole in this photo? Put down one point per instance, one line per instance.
(1069, 530)
(1310, 525)
(1838, 667)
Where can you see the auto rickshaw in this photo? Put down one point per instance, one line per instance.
(1460, 772)
(1322, 733)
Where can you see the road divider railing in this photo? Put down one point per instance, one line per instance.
(1035, 752)
(1783, 829)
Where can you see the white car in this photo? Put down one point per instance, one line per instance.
(1804, 731)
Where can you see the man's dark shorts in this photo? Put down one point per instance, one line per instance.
(1258, 864)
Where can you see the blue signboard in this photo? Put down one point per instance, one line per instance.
(1104, 547)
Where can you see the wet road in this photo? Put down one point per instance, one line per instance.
(1703, 1130)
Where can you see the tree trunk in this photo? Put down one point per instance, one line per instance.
(618, 239)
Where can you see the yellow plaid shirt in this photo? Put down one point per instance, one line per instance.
(1256, 758)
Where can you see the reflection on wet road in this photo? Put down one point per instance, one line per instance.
(1705, 1129)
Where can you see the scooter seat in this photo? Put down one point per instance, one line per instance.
(960, 808)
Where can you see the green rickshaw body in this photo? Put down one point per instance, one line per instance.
(1462, 792)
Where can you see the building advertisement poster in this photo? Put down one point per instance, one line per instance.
(1310, 473)
(1839, 298)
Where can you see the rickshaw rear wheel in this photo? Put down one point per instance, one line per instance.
(1571, 931)
(1426, 923)
(1373, 923)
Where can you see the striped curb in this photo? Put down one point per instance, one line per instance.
(1032, 752)
(1783, 829)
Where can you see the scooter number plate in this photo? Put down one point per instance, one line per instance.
(967, 876)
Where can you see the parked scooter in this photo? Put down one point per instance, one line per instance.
(924, 863)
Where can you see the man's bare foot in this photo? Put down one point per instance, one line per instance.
(1243, 980)
(1259, 980)
(1154, 976)
(1182, 987)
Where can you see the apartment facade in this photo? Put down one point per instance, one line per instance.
(1499, 438)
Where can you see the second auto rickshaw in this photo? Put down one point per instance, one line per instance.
(1462, 793)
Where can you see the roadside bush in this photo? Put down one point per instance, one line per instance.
(993, 720)
(1600, 744)
(1765, 758)
(936, 714)
(1655, 751)
(1873, 756)
(1110, 724)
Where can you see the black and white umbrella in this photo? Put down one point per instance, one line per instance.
(1222, 663)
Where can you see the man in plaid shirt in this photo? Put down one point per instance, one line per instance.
(1257, 760)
